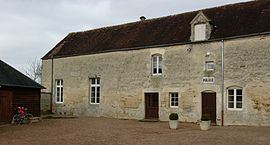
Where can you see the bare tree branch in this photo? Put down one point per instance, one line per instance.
(34, 70)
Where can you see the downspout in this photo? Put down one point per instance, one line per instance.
(51, 86)
(222, 82)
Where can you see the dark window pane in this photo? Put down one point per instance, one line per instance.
(238, 92)
(231, 98)
(92, 100)
(98, 81)
(93, 89)
(239, 98)
(61, 99)
(231, 92)
(93, 81)
(154, 70)
(93, 95)
(57, 99)
(97, 100)
(61, 91)
(160, 70)
(98, 89)
(176, 104)
(238, 105)
(230, 105)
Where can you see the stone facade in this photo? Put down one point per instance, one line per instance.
(126, 76)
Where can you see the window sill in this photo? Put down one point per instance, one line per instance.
(174, 107)
(234, 109)
(156, 74)
(94, 103)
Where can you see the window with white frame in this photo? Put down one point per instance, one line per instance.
(59, 98)
(209, 66)
(174, 100)
(200, 32)
(94, 90)
(235, 98)
(156, 64)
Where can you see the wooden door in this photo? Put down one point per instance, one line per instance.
(151, 105)
(5, 106)
(209, 105)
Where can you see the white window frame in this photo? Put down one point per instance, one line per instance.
(208, 64)
(172, 104)
(199, 32)
(158, 64)
(95, 85)
(234, 99)
(59, 85)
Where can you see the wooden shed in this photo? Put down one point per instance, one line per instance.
(16, 89)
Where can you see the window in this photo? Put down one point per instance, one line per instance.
(59, 91)
(95, 90)
(157, 64)
(235, 98)
(200, 32)
(174, 100)
(209, 66)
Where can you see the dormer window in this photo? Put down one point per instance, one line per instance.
(199, 32)
(200, 28)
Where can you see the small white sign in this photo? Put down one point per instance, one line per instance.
(208, 80)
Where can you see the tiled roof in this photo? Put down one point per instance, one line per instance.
(11, 77)
(228, 21)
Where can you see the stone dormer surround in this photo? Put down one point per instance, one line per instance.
(200, 18)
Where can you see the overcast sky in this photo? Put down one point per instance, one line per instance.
(30, 28)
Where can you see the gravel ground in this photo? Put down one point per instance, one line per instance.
(106, 131)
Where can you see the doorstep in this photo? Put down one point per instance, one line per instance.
(149, 120)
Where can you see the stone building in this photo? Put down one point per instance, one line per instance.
(212, 61)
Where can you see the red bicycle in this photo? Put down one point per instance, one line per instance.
(22, 117)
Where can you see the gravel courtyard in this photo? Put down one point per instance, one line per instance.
(106, 131)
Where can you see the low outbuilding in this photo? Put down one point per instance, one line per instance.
(16, 89)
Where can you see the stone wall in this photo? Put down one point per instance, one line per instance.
(45, 102)
(247, 66)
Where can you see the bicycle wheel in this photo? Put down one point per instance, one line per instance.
(16, 119)
(28, 118)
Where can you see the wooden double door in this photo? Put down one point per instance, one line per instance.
(151, 105)
(5, 106)
(209, 105)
